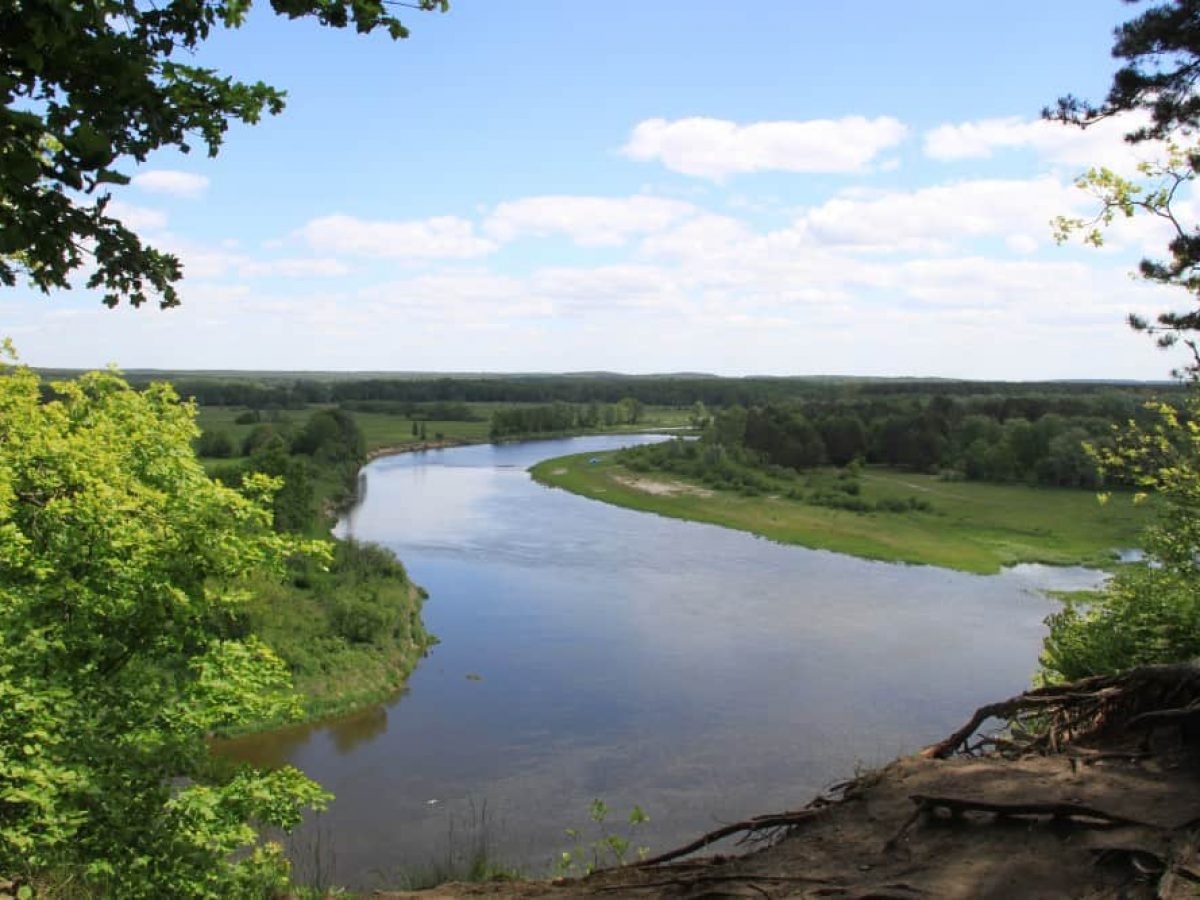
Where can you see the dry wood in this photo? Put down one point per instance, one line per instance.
(758, 823)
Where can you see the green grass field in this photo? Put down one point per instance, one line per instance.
(972, 527)
(386, 431)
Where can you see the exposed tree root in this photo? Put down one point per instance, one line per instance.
(766, 827)
(1047, 719)
(958, 806)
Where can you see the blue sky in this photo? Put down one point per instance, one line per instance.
(773, 188)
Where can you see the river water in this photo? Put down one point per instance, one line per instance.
(589, 651)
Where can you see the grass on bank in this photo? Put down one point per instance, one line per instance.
(384, 430)
(971, 526)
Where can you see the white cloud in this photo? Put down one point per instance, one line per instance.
(1101, 144)
(705, 236)
(294, 267)
(443, 237)
(170, 181)
(1022, 243)
(589, 221)
(603, 288)
(215, 263)
(138, 218)
(716, 148)
(934, 219)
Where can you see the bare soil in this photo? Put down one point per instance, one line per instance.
(1093, 791)
(660, 487)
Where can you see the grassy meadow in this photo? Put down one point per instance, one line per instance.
(971, 526)
(385, 431)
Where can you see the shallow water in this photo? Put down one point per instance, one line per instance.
(702, 673)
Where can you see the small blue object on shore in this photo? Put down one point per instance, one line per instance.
(593, 460)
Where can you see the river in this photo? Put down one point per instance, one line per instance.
(589, 651)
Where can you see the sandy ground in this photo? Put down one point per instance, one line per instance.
(660, 488)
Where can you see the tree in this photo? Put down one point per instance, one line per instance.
(332, 436)
(1149, 612)
(1161, 53)
(119, 565)
(845, 438)
(89, 85)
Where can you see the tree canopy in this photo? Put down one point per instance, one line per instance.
(91, 86)
(1160, 50)
(120, 572)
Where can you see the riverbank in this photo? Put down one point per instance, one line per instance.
(968, 526)
(1085, 806)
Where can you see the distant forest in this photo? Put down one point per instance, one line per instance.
(1005, 399)
(992, 431)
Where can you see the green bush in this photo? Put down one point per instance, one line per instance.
(1149, 612)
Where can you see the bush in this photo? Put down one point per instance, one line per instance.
(215, 444)
(1149, 612)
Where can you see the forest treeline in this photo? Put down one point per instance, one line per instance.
(293, 392)
(1037, 439)
(561, 417)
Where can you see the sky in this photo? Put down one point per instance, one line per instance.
(773, 188)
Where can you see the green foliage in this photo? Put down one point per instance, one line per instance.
(332, 436)
(121, 573)
(215, 444)
(350, 632)
(89, 85)
(602, 848)
(561, 417)
(1150, 611)
(1160, 50)
(916, 518)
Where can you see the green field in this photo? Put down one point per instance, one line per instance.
(972, 526)
(385, 431)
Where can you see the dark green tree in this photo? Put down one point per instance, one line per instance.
(91, 85)
(1160, 53)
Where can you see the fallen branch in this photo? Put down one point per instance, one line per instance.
(758, 823)
(715, 877)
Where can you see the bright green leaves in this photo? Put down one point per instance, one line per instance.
(1150, 611)
(120, 648)
(608, 848)
(89, 86)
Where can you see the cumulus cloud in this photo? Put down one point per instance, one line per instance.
(588, 221)
(294, 267)
(443, 237)
(139, 218)
(1101, 144)
(170, 181)
(934, 219)
(705, 236)
(717, 148)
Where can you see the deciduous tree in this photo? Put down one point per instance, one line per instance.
(119, 569)
(90, 86)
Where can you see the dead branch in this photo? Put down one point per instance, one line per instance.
(758, 823)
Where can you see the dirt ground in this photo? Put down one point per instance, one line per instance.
(1102, 800)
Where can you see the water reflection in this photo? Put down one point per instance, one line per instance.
(703, 673)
